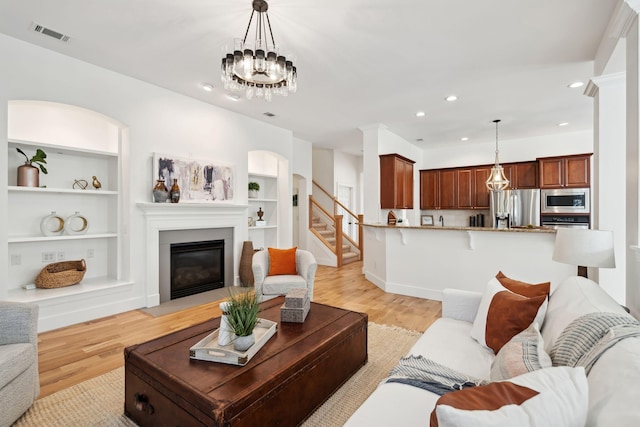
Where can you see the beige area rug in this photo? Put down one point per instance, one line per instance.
(99, 401)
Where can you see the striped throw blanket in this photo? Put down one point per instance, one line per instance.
(585, 339)
(429, 375)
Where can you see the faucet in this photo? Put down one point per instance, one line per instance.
(441, 219)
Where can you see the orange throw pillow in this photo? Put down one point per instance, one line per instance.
(528, 290)
(282, 261)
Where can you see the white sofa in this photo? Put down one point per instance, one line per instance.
(19, 385)
(613, 382)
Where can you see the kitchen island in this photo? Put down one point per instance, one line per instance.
(421, 261)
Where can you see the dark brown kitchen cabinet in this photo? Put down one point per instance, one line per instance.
(466, 188)
(521, 175)
(481, 174)
(439, 189)
(448, 191)
(565, 172)
(396, 182)
(429, 189)
(454, 188)
(524, 175)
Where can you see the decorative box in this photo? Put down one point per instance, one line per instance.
(296, 298)
(296, 306)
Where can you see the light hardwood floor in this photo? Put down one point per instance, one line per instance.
(79, 352)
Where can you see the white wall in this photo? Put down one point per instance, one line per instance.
(302, 168)
(515, 150)
(323, 168)
(158, 121)
(348, 172)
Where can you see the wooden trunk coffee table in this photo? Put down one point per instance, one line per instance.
(290, 377)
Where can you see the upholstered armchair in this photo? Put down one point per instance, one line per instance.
(19, 383)
(266, 285)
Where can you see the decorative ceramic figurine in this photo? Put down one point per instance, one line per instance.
(96, 183)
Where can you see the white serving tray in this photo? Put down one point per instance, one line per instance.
(209, 349)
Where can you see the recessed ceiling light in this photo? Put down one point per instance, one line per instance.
(451, 98)
(464, 138)
(233, 97)
(207, 86)
(420, 114)
(563, 124)
(576, 84)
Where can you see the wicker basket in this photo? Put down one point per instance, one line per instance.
(60, 274)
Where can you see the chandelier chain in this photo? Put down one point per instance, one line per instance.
(270, 30)
(248, 27)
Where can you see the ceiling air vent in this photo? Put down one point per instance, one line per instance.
(49, 32)
(268, 114)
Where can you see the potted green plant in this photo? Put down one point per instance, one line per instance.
(29, 175)
(242, 315)
(254, 187)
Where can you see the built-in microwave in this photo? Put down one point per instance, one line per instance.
(565, 201)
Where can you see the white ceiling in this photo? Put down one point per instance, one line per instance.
(359, 62)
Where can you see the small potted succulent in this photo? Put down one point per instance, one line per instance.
(242, 314)
(254, 187)
(29, 175)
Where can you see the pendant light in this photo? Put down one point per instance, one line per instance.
(497, 180)
(257, 67)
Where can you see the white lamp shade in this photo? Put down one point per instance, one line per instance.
(582, 247)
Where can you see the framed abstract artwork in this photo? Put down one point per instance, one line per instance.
(200, 180)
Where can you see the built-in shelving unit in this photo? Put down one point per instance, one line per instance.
(267, 235)
(30, 250)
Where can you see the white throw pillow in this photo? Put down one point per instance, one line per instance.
(523, 353)
(555, 397)
(502, 314)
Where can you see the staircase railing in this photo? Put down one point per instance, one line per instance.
(335, 219)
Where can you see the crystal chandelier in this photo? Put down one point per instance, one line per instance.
(258, 69)
(497, 180)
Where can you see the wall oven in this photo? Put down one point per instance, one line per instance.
(565, 201)
(565, 221)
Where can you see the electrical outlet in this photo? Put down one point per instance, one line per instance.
(90, 253)
(48, 256)
(60, 255)
(16, 259)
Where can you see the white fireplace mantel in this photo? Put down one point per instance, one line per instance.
(187, 216)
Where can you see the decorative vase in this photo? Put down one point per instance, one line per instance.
(174, 193)
(253, 194)
(160, 193)
(76, 224)
(225, 334)
(52, 225)
(244, 343)
(28, 176)
(246, 272)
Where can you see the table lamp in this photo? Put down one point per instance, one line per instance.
(584, 248)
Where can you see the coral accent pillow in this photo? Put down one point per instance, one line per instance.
(523, 353)
(548, 397)
(282, 261)
(528, 290)
(503, 314)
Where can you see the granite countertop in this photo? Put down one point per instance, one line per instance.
(437, 227)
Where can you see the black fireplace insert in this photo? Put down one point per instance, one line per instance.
(196, 267)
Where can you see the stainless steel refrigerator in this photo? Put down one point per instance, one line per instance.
(522, 207)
